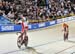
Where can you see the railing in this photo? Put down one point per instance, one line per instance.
(4, 21)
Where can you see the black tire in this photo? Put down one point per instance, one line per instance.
(19, 42)
(26, 41)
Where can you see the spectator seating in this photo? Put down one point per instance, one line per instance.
(34, 13)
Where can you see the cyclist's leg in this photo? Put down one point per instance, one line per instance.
(67, 36)
(26, 37)
(64, 36)
(26, 29)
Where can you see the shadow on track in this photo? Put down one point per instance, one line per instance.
(71, 41)
(31, 50)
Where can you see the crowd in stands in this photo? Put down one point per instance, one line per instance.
(34, 13)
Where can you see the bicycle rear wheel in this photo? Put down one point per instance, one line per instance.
(26, 41)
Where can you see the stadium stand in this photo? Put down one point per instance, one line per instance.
(37, 11)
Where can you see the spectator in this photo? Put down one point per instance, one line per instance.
(11, 15)
(35, 12)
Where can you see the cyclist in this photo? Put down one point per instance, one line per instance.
(66, 31)
(24, 29)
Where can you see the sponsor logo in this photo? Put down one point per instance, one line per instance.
(59, 20)
(73, 17)
(69, 18)
(52, 22)
(29, 26)
(64, 19)
(7, 28)
(41, 24)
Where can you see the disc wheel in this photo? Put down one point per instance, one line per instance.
(26, 41)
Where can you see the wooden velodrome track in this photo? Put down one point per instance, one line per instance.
(43, 41)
